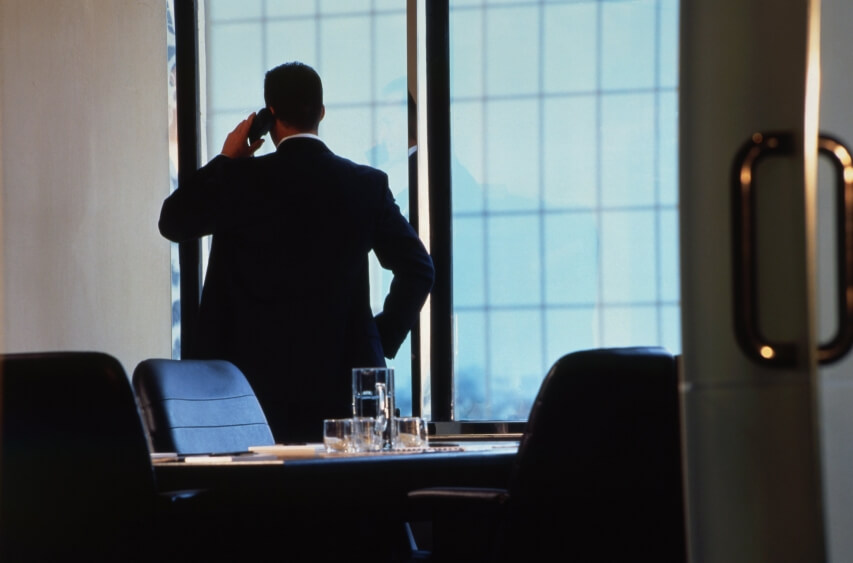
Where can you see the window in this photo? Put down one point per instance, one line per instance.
(563, 164)
(564, 183)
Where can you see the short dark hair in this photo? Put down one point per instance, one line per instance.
(295, 93)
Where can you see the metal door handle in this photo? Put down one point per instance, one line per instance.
(839, 345)
(747, 331)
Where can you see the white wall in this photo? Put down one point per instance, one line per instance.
(83, 170)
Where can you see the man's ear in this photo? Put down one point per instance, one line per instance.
(322, 112)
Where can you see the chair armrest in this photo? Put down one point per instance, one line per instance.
(462, 495)
(463, 522)
(165, 498)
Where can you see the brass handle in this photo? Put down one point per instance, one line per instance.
(839, 345)
(747, 332)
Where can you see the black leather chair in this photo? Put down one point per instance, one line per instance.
(76, 481)
(199, 406)
(597, 477)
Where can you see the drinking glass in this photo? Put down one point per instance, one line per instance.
(337, 435)
(411, 432)
(367, 434)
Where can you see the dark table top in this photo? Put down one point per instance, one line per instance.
(385, 475)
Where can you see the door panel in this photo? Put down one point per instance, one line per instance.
(752, 469)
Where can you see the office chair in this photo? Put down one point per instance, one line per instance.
(199, 406)
(597, 476)
(76, 479)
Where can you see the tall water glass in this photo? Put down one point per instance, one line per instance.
(373, 395)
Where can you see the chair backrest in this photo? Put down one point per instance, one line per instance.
(598, 474)
(76, 478)
(199, 406)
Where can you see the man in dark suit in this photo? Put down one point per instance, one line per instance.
(286, 294)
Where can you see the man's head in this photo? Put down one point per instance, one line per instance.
(295, 94)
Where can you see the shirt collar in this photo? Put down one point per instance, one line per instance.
(297, 135)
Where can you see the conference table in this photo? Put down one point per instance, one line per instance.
(297, 490)
(306, 472)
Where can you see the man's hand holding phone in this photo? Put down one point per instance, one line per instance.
(237, 143)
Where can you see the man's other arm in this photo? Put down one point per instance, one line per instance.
(399, 249)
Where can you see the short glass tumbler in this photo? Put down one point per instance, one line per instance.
(367, 434)
(411, 432)
(337, 435)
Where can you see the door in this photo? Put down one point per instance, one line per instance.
(748, 181)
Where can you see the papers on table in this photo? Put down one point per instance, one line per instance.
(241, 457)
(215, 459)
(282, 451)
(309, 451)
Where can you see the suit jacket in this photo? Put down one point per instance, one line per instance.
(286, 293)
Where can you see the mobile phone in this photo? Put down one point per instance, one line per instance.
(261, 125)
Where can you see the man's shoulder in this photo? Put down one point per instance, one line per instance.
(319, 149)
(356, 169)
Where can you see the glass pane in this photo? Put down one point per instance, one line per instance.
(668, 36)
(628, 326)
(346, 67)
(667, 150)
(628, 35)
(508, 68)
(515, 362)
(570, 58)
(390, 34)
(343, 6)
(565, 193)
(627, 157)
(277, 8)
(467, 157)
(510, 167)
(466, 46)
(570, 153)
(235, 71)
(572, 258)
(628, 257)
(230, 11)
(514, 260)
(670, 288)
(471, 382)
(469, 279)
